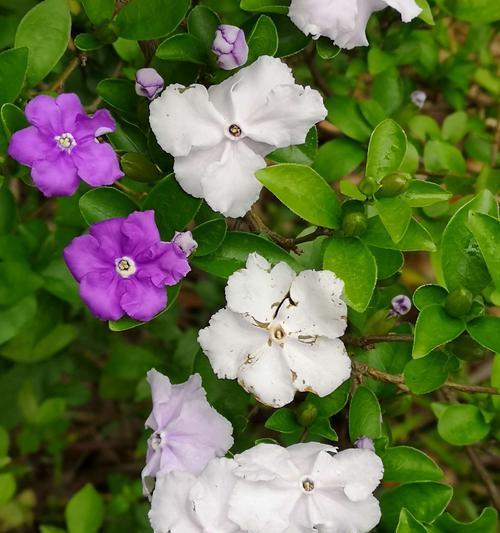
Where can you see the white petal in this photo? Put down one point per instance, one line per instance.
(229, 184)
(319, 367)
(210, 496)
(265, 462)
(228, 340)
(274, 124)
(408, 8)
(305, 454)
(170, 508)
(319, 308)
(357, 36)
(183, 118)
(257, 290)
(267, 376)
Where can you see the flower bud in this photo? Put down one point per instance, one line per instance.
(400, 305)
(459, 302)
(394, 184)
(306, 414)
(364, 443)
(148, 83)
(354, 224)
(185, 241)
(368, 186)
(230, 47)
(418, 98)
(138, 167)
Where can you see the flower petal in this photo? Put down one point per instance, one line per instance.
(229, 184)
(305, 454)
(183, 118)
(70, 107)
(409, 9)
(141, 299)
(102, 291)
(140, 232)
(265, 462)
(228, 340)
(100, 123)
(83, 255)
(56, 178)
(319, 367)
(257, 290)
(43, 112)
(357, 35)
(29, 145)
(164, 264)
(109, 235)
(97, 163)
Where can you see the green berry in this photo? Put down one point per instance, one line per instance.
(459, 302)
(354, 224)
(394, 184)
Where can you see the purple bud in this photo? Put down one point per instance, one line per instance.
(230, 47)
(401, 305)
(148, 83)
(418, 98)
(364, 443)
(185, 241)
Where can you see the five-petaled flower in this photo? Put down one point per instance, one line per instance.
(61, 145)
(123, 266)
(306, 486)
(344, 21)
(219, 136)
(279, 332)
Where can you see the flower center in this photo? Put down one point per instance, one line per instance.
(308, 485)
(65, 142)
(125, 266)
(158, 440)
(235, 131)
(277, 333)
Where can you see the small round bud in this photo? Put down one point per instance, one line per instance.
(400, 305)
(459, 302)
(418, 98)
(148, 83)
(138, 167)
(368, 186)
(306, 414)
(394, 184)
(364, 443)
(354, 224)
(230, 47)
(185, 241)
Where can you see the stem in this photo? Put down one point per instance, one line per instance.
(316, 74)
(128, 191)
(57, 86)
(484, 475)
(370, 340)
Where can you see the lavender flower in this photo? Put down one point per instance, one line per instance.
(188, 432)
(123, 267)
(400, 305)
(148, 83)
(418, 98)
(230, 47)
(61, 145)
(364, 443)
(185, 241)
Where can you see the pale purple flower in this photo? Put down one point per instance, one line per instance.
(61, 145)
(122, 267)
(148, 83)
(185, 241)
(418, 98)
(400, 305)
(188, 432)
(364, 443)
(230, 47)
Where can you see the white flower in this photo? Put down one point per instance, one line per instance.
(305, 486)
(183, 503)
(219, 136)
(344, 21)
(279, 332)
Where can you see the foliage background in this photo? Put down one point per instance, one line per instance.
(72, 389)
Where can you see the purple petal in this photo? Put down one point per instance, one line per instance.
(140, 232)
(167, 266)
(83, 255)
(44, 113)
(142, 300)
(29, 145)
(97, 163)
(148, 82)
(109, 235)
(71, 108)
(57, 177)
(102, 291)
(100, 123)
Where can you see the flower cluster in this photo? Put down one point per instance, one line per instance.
(279, 332)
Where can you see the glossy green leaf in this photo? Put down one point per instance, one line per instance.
(302, 154)
(209, 236)
(405, 464)
(455, 126)
(365, 416)
(13, 65)
(332, 403)
(427, 374)
(203, 23)
(423, 193)
(99, 11)
(343, 111)
(395, 215)
(12, 319)
(262, 6)
(284, 421)
(263, 40)
(409, 524)
(13, 118)
(87, 42)
(486, 231)
(351, 260)
(486, 331)
(326, 49)
(183, 47)
(476, 10)
(487, 522)
(322, 427)
(386, 150)
(389, 262)
(304, 191)
(441, 157)
(103, 203)
(462, 424)
(119, 93)
(85, 511)
(338, 158)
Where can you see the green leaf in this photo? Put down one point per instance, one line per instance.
(12, 319)
(486, 231)
(426, 500)
(13, 118)
(209, 236)
(4, 442)
(434, 327)
(485, 523)
(323, 428)
(395, 215)
(486, 331)
(98, 11)
(389, 262)
(87, 42)
(461, 260)
(203, 23)
(265, 6)
(119, 93)
(455, 126)
(85, 511)
(351, 260)
(365, 416)
(174, 208)
(338, 158)
(378, 60)
(427, 374)
(386, 150)
(409, 524)
(423, 193)
(103, 203)
(476, 10)
(183, 47)
(372, 111)
(326, 49)
(426, 14)
(343, 111)
(462, 424)
(45, 31)
(13, 65)
(304, 191)
(332, 403)
(387, 90)
(290, 39)
(150, 19)
(283, 420)
(233, 253)
(441, 157)
(405, 464)
(302, 154)
(347, 188)
(263, 41)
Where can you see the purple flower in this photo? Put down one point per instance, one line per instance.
(400, 305)
(188, 432)
(61, 145)
(148, 83)
(185, 241)
(230, 47)
(364, 443)
(123, 267)
(418, 98)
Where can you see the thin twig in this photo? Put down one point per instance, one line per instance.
(57, 86)
(484, 475)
